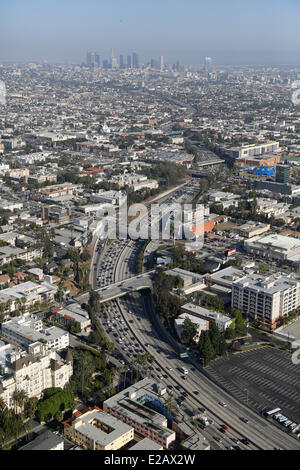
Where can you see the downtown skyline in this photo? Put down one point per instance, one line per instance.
(253, 33)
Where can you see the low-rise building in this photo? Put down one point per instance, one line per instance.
(27, 294)
(274, 247)
(97, 430)
(71, 314)
(141, 407)
(28, 329)
(252, 229)
(222, 321)
(202, 325)
(46, 441)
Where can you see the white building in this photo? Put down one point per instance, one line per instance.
(27, 294)
(31, 372)
(222, 321)
(27, 330)
(275, 247)
(266, 298)
(226, 199)
(97, 430)
(202, 325)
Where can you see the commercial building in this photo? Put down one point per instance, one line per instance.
(141, 407)
(252, 150)
(187, 277)
(274, 247)
(283, 173)
(226, 199)
(221, 281)
(266, 299)
(252, 229)
(31, 372)
(94, 429)
(222, 321)
(28, 329)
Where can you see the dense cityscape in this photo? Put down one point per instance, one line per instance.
(112, 338)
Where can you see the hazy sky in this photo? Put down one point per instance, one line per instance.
(230, 31)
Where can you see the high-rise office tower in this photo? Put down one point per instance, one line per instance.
(91, 59)
(283, 173)
(129, 61)
(97, 60)
(162, 63)
(135, 61)
(121, 62)
(207, 64)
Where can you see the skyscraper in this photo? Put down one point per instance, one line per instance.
(97, 60)
(283, 173)
(121, 62)
(91, 59)
(162, 63)
(207, 64)
(135, 61)
(129, 61)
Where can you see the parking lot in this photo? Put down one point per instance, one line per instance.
(265, 377)
(293, 330)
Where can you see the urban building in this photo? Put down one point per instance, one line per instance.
(27, 330)
(266, 299)
(222, 321)
(274, 247)
(141, 407)
(94, 429)
(31, 371)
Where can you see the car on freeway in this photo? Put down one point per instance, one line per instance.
(222, 430)
(235, 439)
(245, 420)
(225, 427)
(221, 403)
(245, 441)
(218, 439)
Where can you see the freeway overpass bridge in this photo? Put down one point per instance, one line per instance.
(127, 286)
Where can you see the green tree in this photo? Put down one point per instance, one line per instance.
(189, 331)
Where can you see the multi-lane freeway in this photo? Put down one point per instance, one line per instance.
(136, 322)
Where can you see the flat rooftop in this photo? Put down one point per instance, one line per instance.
(101, 427)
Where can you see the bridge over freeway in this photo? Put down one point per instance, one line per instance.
(127, 286)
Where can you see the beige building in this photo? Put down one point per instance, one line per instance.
(252, 229)
(31, 372)
(96, 430)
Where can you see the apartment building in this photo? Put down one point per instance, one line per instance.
(71, 314)
(131, 406)
(266, 299)
(202, 325)
(94, 429)
(27, 294)
(27, 329)
(222, 321)
(31, 372)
